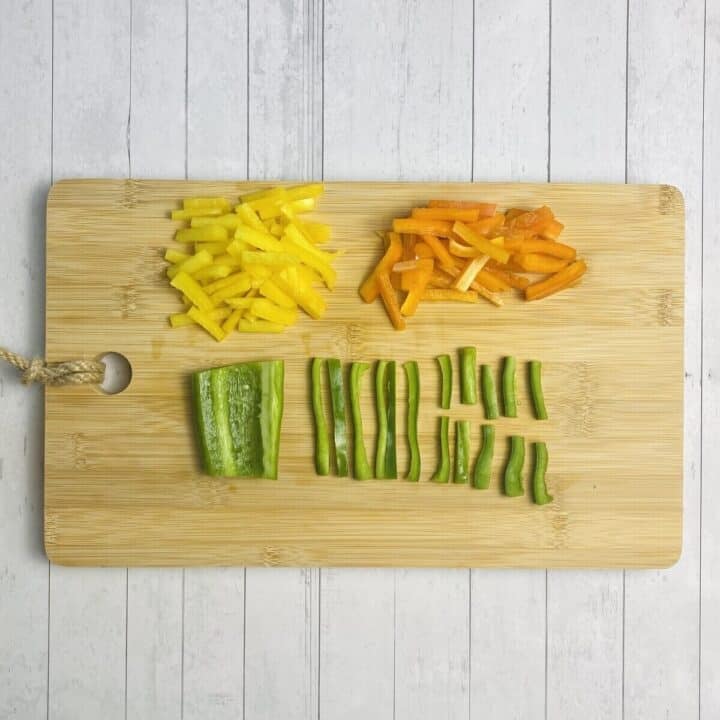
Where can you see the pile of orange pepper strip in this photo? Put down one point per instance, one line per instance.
(462, 251)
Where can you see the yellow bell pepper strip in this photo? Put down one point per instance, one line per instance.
(509, 387)
(268, 310)
(412, 373)
(272, 292)
(319, 232)
(214, 248)
(496, 252)
(385, 397)
(224, 282)
(540, 493)
(387, 293)
(267, 208)
(205, 203)
(536, 391)
(191, 288)
(207, 323)
(239, 287)
(242, 303)
(300, 206)
(212, 273)
(190, 214)
(183, 319)
(470, 272)
(322, 436)
(249, 217)
(259, 326)
(291, 282)
(206, 233)
(337, 403)
(442, 473)
(276, 230)
(260, 240)
(196, 262)
(439, 250)
(229, 221)
(462, 451)
(513, 470)
(445, 364)
(483, 464)
(232, 320)
(175, 256)
(269, 193)
(465, 214)
(238, 411)
(361, 465)
(370, 290)
(417, 287)
(559, 281)
(319, 260)
(273, 259)
(300, 192)
(227, 259)
(468, 376)
(489, 394)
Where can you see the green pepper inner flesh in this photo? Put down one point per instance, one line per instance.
(536, 390)
(322, 438)
(489, 393)
(540, 493)
(445, 365)
(462, 451)
(337, 400)
(412, 374)
(468, 376)
(442, 474)
(483, 464)
(513, 469)
(509, 388)
(361, 466)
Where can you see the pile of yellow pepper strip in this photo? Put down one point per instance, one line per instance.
(252, 268)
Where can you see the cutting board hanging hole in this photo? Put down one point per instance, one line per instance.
(118, 373)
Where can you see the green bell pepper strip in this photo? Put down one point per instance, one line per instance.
(238, 411)
(386, 452)
(483, 464)
(536, 391)
(509, 388)
(489, 394)
(361, 466)
(442, 474)
(337, 402)
(468, 376)
(412, 373)
(513, 470)
(322, 438)
(445, 364)
(462, 451)
(540, 493)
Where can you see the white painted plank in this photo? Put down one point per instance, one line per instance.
(25, 56)
(710, 596)
(284, 142)
(510, 143)
(665, 145)
(214, 598)
(90, 114)
(587, 144)
(398, 104)
(157, 149)
(357, 634)
(217, 89)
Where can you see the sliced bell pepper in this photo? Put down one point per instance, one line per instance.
(483, 244)
(483, 464)
(439, 250)
(513, 470)
(192, 290)
(462, 451)
(370, 289)
(322, 438)
(442, 473)
(540, 493)
(468, 376)
(536, 263)
(445, 364)
(559, 281)
(337, 402)
(442, 228)
(465, 214)
(361, 465)
(206, 233)
(238, 411)
(536, 391)
(412, 373)
(386, 452)
(389, 298)
(489, 394)
(509, 387)
(417, 287)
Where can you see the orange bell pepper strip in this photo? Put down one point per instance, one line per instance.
(483, 244)
(534, 262)
(476, 286)
(484, 209)
(470, 272)
(552, 230)
(408, 243)
(512, 213)
(422, 227)
(559, 281)
(423, 250)
(547, 247)
(421, 279)
(488, 225)
(534, 220)
(469, 296)
(370, 289)
(438, 250)
(466, 215)
(387, 293)
(519, 282)
(462, 250)
(492, 282)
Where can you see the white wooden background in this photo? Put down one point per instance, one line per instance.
(396, 89)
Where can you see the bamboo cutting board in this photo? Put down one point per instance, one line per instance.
(122, 483)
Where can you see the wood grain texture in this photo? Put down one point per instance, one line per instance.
(616, 441)
(665, 139)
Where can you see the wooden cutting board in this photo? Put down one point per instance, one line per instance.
(122, 483)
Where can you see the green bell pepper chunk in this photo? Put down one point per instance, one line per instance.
(337, 402)
(322, 437)
(413, 382)
(468, 376)
(361, 466)
(385, 397)
(513, 469)
(509, 388)
(483, 464)
(238, 412)
(489, 394)
(536, 391)
(445, 364)
(442, 474)
(540, 493)
(462, 451)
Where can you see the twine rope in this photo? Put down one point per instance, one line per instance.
(70, 372)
